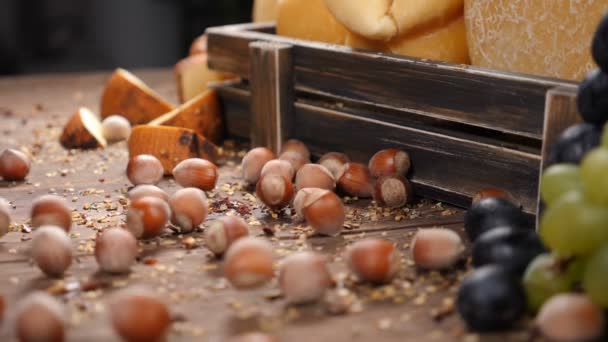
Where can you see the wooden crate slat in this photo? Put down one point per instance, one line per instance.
(463, 94)
(235, 107)
(455, 169)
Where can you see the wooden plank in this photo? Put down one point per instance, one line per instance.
(271, 94)
(458, 93)
(560, 113)
(444, 168)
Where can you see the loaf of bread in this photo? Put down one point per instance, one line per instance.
(541, 37)
(432, 29)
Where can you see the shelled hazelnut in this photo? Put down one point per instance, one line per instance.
(40, 317)
(189, 208)
(315, 176)
(254, 161)
(14, 165)
(52, 250)
(304, 277)
(249, 263)
(570, 317)
(51, 210)
(224, 231)
(334, 162)
(355, 180)
(322, 209)
(436, 248)
(275, 191)
(147, 217)
(115, 250)
(139, 316)
(196, 173)
(295, 159)
(278, 166)
(145, 169)
(146, 190)
(390, 162)
(393, 191)
(115, 128)
(493, 193)
(5, 217)
(296, 146)
(373, 260)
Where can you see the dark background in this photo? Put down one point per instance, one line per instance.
(41, 36)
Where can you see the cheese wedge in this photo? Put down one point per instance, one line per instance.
(201, 114)
(127, 95)
(83, 130)
(170, 145)
(193, 76)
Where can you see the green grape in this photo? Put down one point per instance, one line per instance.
(595, 278)
(544, 278)
(594, 169)
(573, 226)
(559, 179)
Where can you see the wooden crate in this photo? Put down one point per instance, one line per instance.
(465, 128)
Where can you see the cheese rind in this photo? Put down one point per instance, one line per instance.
(83, 130)
(541, 37)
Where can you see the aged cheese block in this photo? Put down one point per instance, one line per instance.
(264, 10)
(127, 95)
(170, 145)
(83, 130)
(540, 37)
(199, 45)
(193, 76)
(425, 29)
(201, 114)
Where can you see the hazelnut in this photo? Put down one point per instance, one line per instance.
(304, 277)
(51, 210)
(390, 162)
(322, 209)
(278, 166)
(315, 176)
(354, 180)
(296, 146)
(249, 263)
(570, 317)
(139, 316)
(147, 217)
(295, 159)
(373, 260)
(393, 191)
(146, 190)
(145, 169)
(436, 248)
(196, 173)
(14, 165)
(334, 162)
(2, 308)
(275, 191)
(253, 162)
(5, 217)
(115, 128)
(493, 193)
(52, 250)
(115, 250)
(221, 233)
(40, 318)
(189, 208)
(253, 337)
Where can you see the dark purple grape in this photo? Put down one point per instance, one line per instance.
(592, 98)
(574, 143)
(490, 213)
(511, 248)
(490, 299)
(599, 47)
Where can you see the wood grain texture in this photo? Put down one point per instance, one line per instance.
(459, 93)
(271, 94)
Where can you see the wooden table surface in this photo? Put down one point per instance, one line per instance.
(32, 113)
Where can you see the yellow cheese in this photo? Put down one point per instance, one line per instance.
(264, 10)
(541, 37)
